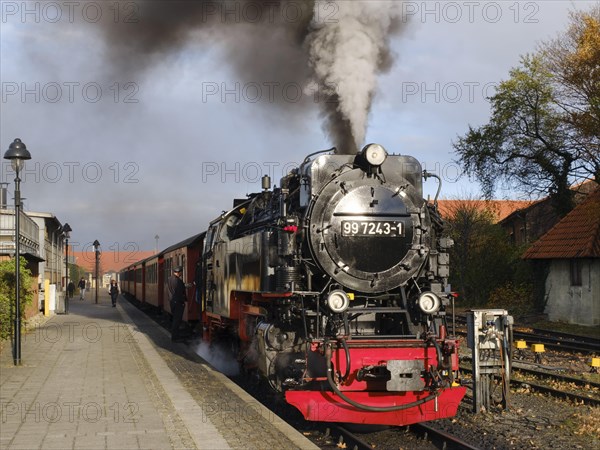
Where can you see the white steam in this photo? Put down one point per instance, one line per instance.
(220, 359)
(346, 54)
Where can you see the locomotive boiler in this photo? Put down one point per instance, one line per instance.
(333, 287)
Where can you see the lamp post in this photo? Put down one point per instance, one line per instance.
(17, 153)
(96, 245)
(67, 229)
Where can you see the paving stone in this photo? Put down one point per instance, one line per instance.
(108, 378)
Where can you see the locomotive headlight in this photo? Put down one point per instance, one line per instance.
(429, 303)
(338, 301)
(375, 154)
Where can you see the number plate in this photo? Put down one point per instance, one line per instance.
(372, 228)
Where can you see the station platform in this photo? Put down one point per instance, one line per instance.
(110, 378)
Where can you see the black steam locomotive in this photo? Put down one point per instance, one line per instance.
(333, 286)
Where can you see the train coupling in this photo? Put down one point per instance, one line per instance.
(372, 373)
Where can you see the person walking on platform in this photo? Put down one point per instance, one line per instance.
(113, 290)
(178, 300)
(71, 288)
(81, 286)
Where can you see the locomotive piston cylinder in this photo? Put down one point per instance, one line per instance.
(286, 277)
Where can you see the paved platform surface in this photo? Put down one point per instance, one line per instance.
(110, 378)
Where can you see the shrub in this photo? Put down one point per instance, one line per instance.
(7, 294)
(516, 299)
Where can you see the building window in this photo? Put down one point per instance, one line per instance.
(576, 272)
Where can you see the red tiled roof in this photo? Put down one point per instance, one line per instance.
(577, 235)
(585, 187)
(500, 208)
(110, 261)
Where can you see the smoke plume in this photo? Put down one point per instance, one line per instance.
(347, 55)
(339, 47)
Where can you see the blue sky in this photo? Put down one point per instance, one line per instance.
(162, 151)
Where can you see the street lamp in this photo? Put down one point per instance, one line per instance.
(96, 245)
(67, 229)
(17, 153)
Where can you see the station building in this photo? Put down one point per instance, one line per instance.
(42, 244)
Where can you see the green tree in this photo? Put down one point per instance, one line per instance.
(7, 294)
(482, 259)
(75, 273)
(543, 131)
(573, 59)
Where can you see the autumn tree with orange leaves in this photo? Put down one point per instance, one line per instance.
(544, 131)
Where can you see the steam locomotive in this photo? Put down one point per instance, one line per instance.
(332, 287)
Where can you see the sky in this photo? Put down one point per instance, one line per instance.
(162, 148)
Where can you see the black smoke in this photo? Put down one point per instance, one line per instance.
(337, 47)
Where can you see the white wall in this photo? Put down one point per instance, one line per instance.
(574, 304)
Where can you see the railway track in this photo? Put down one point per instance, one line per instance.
(427, 433)
(441, 439)
(556, 392)
(571, 396)
(551, 339)
(346, 439)
(568, 336)
(580, 382)
(557, 342)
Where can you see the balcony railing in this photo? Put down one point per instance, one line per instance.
(29, 233)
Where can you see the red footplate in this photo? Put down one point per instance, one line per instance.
(329, 407)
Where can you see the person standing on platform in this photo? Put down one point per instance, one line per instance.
(81, 286)
(113, 290)
(178, 300)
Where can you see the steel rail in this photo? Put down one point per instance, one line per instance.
(555, 340)
(557, 393)
(568, 336)
(548, 390)
(558, 343)
(581, 382)
(441, 438)
(352, 441)
(552, 343)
